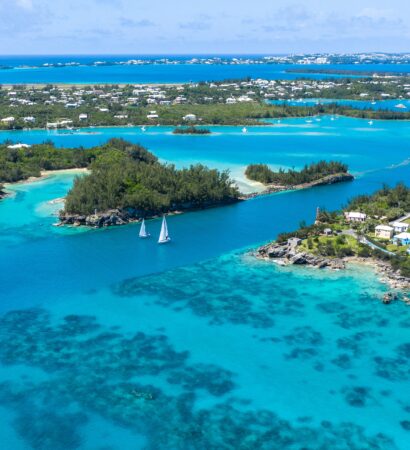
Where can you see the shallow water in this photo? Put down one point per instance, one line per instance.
(391, 104)
(113, 342)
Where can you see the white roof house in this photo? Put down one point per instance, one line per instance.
(191, 117)
(355, 216)
(384, 231)
(384, 228)
(400, 227)
(83, 116)
(152, 116)
(17, 146)
(8, 119)
(29, 119)
(404, 238)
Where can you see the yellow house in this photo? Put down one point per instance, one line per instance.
(384, 231)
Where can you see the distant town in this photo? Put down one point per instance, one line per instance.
(74, 106)
(315, 58)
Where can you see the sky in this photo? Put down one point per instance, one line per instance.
(207, 27)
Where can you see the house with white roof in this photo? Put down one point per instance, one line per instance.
(402, 238)
(353, 216)
(384, 231)
(8, 120)
(400, 227)
(83, 116)
(190, 117)
(18, 146)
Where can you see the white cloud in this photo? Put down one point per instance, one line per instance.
(25, 4)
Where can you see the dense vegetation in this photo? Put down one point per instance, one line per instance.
(126, 176)
(22, 163)
(191, 130)
(312, 172)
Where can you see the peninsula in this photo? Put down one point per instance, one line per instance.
(372, 229)
(315, 174)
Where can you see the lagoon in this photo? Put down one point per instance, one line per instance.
(227, 346)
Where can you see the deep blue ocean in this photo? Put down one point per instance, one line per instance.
(112, 342)
(30, 69)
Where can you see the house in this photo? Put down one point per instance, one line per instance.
(353, 216)
(402, 238)
(30, 119)
(384, 231)
(8, 119)
(190, 117)
(83, 116)
(327, 231)
(230, 101)
(18, 146)
(152, 115)
(400, 227)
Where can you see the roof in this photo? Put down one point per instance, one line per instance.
(357, 215)
(400, 224)
(384, 228)
(403, 236)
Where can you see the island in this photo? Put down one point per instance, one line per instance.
(314, 174)
(127, 183)
(191, 130)
(372, 229)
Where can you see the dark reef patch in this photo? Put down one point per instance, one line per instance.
(93, 370)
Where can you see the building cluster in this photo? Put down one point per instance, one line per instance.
(397, 231)
(24, 103)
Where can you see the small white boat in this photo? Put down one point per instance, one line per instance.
(244, 130)
(143, 231)
(143, 129)
(401, 106)
(332, 118)
(163, 235)
(309, 121)
(371, 122)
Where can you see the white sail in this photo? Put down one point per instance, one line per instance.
(143, 231)
(163, 236)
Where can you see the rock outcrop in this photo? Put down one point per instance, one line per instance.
(289, 253)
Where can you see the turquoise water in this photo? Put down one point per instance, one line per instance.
(29, 70)
(390, 105)
(113, 342)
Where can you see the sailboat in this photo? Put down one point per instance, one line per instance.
(244, 130)
(143, 129)
(143, 231)
(163, 235)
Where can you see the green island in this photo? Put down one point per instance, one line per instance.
(314, 174)
(372, 228)
(127, 183)
(21, 162)
(191, 130)
(309, 173)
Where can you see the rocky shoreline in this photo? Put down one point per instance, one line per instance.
(288, 253)
(116, 217)
(330, 179)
